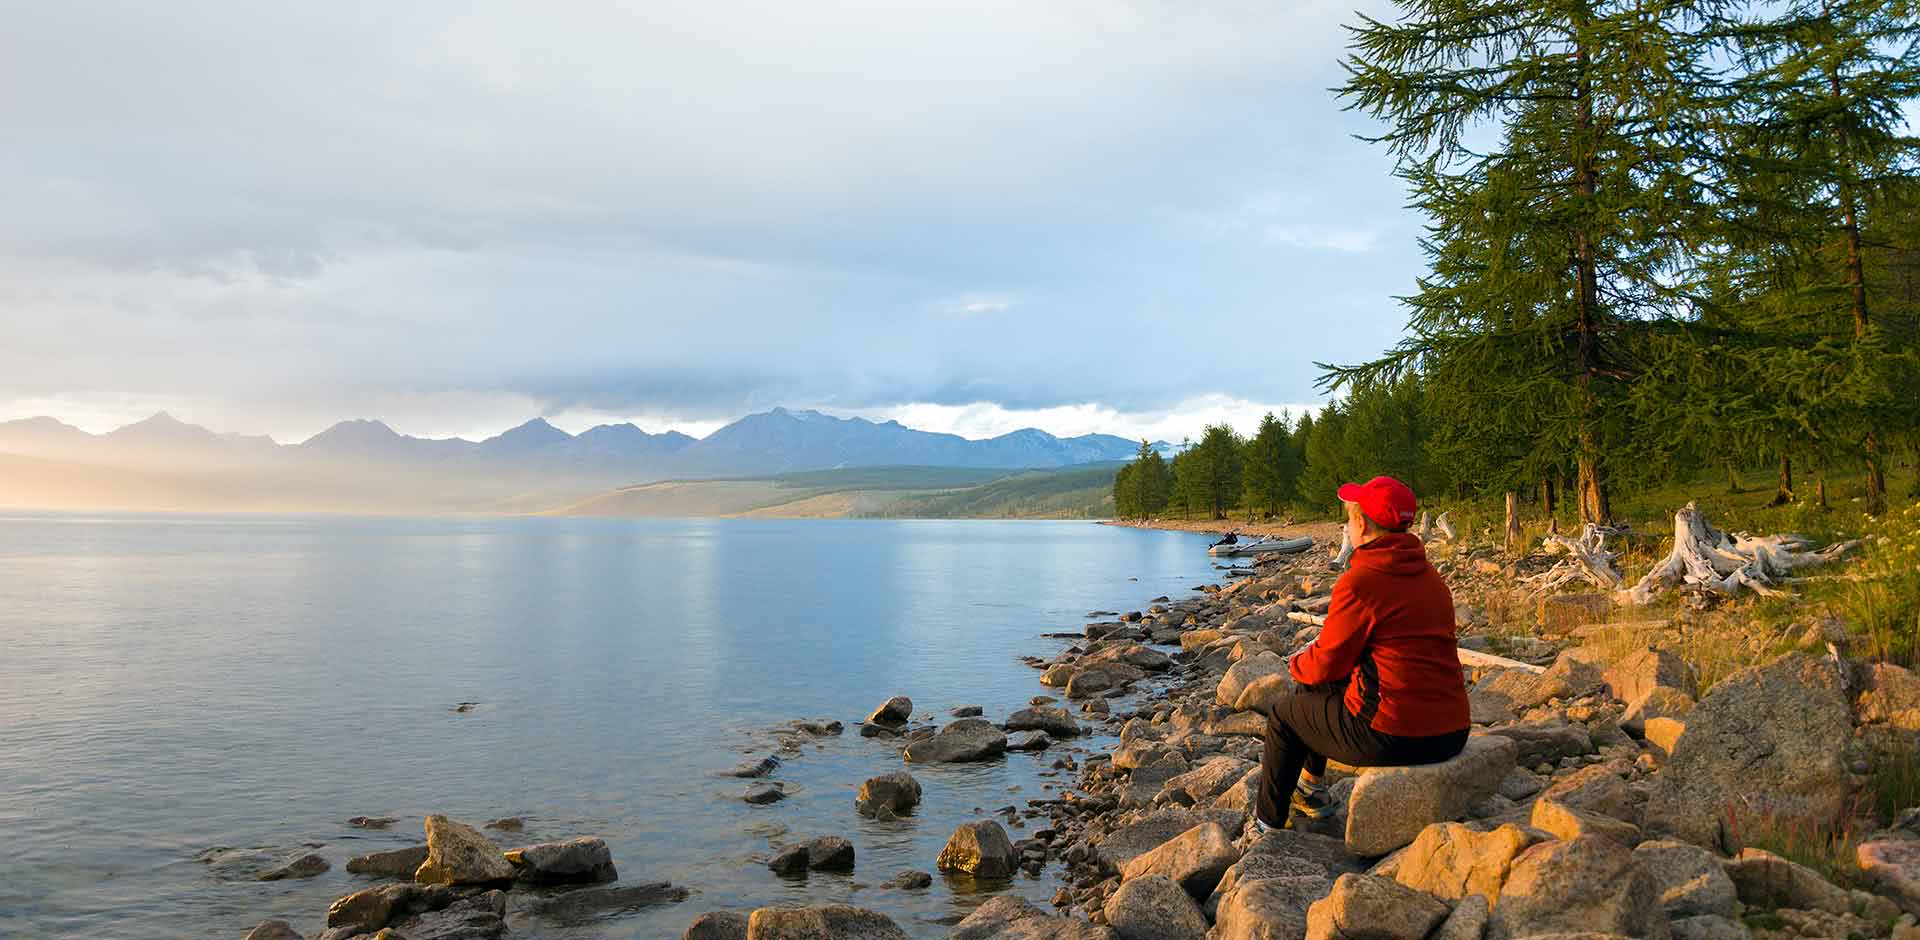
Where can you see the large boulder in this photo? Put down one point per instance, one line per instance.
(1565, 822)
(1269, 908)
(1637, 674)
(826, 922)
(980, 849)
(1765, 880)
(1766, 746)
(1689, 879)
(457, 854)
(1890, 695)
(1451, 861)
(1368, 907)
(1467, 922)
(1054, 721)
(963, 741)
(393, 863)
(896, 793)
(1391, 805)
(1212, 778)
(1246, 672)
(1154, 907)
(1194, 860)
(1893, 866)
(1011, 917)
(1117, 849)
(830, 853)
(1263, 693)
(1546, 741)
(1598, 788)
(584, 860)
(1589, 885)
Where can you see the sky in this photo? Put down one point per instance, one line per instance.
(1114, 215)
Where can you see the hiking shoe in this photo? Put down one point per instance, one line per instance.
(1313, 804)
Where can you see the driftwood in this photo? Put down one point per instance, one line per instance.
(1467, 657)
(1706, 558)
(1587, 560)
(1436, 530)
(1345, 553)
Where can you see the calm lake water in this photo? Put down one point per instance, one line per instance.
(172, 684)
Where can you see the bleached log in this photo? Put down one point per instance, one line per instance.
(1488, 660)
(1445, 525)
(1341, 557)
(1707, 558)
(1467, 657)
(1425, 529)
(1587, 560)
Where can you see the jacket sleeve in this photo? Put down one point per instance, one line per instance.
(1332, 655)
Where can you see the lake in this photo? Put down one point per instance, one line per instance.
(175, 684)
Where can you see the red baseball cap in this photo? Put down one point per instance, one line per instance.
(1385, 500)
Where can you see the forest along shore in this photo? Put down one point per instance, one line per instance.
(1619, 783)
(1319, 531)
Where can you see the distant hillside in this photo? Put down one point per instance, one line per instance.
(367, 466)
(872, 492)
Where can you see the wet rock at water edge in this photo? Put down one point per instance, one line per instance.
(761, 794)
(717, 925)
(818, 727)
(586, 902)
(897, 710)
(274, 930)
(791, 860)
(962, 741)
(1054, 721)
(1029, 741)
(895, 793)
(909, 881)
(827, 922)
(585, 860)
(371, 822)
(967, 711)
(830, 853)
(394, 863)
(302, 866)
(457, 854)
(980, 849)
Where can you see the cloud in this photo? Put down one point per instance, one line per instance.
(280, 215)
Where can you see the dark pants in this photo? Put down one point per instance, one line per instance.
(1308, 727)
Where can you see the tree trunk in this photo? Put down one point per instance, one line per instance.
(1733, 478)
(1820, 490)
(1514, 535)
(1548, 501)
(1857, 287)
(1784, 494)
(1593, 493)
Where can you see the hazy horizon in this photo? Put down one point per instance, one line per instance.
(1131, 218)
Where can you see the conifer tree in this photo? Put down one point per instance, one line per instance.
(1557, 239)
(1272, 466)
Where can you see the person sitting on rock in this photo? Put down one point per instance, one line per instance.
(1381, 685)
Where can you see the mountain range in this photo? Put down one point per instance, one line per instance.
(366, 465)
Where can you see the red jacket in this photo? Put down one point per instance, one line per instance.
(1390, 635)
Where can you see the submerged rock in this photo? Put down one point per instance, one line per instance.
(818, 727)
(909, 881)
(586, 902)
(759, 768)
(506, 823)
(301, 866)
(761, 794)
(274, 930)
(371, 822)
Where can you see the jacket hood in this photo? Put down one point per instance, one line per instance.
(1396, 553)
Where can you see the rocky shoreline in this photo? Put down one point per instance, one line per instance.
(1604, 794)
